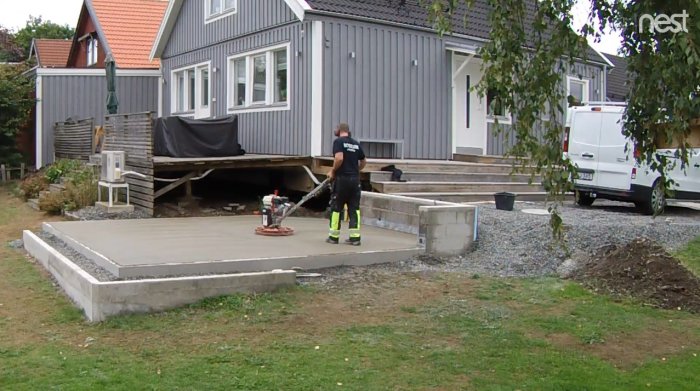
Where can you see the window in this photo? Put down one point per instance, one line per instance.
(577, 90)
(191, 91)
(280, 87)
(215, 9)
(258, 81)
(92, 51)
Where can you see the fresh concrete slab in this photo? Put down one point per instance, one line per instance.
(100, 300)
(189, 246)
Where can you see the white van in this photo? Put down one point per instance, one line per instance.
(607, 169)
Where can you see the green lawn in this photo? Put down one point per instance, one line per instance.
(404, 331)
(690, 256)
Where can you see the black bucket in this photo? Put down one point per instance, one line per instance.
(504, 200)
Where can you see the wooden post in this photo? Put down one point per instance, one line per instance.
(3, 173)
(21, 171)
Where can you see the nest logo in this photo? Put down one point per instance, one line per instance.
(663, 23)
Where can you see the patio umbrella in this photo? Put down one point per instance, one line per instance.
(111, 71)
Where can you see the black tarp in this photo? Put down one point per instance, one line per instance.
(184, 137)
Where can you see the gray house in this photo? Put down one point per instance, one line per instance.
(292, 69)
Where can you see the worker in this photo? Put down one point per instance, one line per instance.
(348, 161)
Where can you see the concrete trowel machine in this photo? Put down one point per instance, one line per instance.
(276, 208)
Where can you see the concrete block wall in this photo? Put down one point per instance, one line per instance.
(447, 230)
(443, 228)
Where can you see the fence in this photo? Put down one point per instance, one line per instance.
(8, 173)
(133, 134)
(74, 140)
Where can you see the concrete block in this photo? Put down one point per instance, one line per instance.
(115, 208)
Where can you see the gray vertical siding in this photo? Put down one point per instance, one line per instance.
(380, 93)
(499, 143)
(81, 97)
(274, 132)
(192, 33)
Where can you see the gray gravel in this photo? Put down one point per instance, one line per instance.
(93, 213)
(516, 244)
(89, 266)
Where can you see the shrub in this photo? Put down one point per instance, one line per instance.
(62, 168)
(33, 185)
(54, 202)
(81, 193)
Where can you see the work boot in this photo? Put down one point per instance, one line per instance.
(353, 242)
(332, 241)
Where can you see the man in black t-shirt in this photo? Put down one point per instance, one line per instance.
(349, 160)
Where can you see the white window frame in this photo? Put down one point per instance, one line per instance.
(212, 17)
(586, 87)
(93, 51)
(505, 119)
(200, 110)
(270, 74)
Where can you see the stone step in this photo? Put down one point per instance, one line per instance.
(33, 203)
(57, 187)
(478, 196)
(383, 176)
(44, 193)
(483, 159)
(446, 187)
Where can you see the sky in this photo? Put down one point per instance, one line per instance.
(14, 14)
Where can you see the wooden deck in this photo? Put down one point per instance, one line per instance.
(165, 163)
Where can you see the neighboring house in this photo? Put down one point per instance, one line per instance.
(50, 53)
(78, 89)
(293, 69)
(617, 86)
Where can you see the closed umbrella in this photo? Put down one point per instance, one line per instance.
(111, 71)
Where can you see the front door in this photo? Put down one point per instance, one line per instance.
(469, 127)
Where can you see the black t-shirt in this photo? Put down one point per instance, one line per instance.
(352, 154)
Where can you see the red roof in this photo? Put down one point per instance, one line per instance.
(52, 53)
(130, 27)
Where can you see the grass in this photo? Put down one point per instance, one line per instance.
(690, 256)
(405, 332)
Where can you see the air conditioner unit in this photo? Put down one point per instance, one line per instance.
(112, 166)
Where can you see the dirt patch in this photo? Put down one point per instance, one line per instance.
(642, 269)
(627, 350)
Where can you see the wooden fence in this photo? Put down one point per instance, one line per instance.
(74, 140)
(133, 134)
(11, 173)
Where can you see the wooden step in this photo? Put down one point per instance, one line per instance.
(383, 176)
(484, 159)
(446, 187)
(478, 196)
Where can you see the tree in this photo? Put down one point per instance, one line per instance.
(16, 92)
(525, 60)
(36, 27)
(10, 51)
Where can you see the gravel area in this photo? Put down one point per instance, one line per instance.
(518, 244)
(89, 266)
(94, 213)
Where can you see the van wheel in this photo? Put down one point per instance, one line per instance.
(656, 201)
(584, 199)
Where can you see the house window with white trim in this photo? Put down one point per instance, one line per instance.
(577, 89)
(191, 91)
(215, 9)
(92, 51)
(258, 80)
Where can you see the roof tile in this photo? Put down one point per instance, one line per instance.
(52, 53)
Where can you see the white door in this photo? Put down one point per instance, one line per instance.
(584, 143)
(615, 160)
(468, 109)
(202, 93)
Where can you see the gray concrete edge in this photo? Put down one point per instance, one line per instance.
(85, 251)
(261, 264)
(100, 300)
